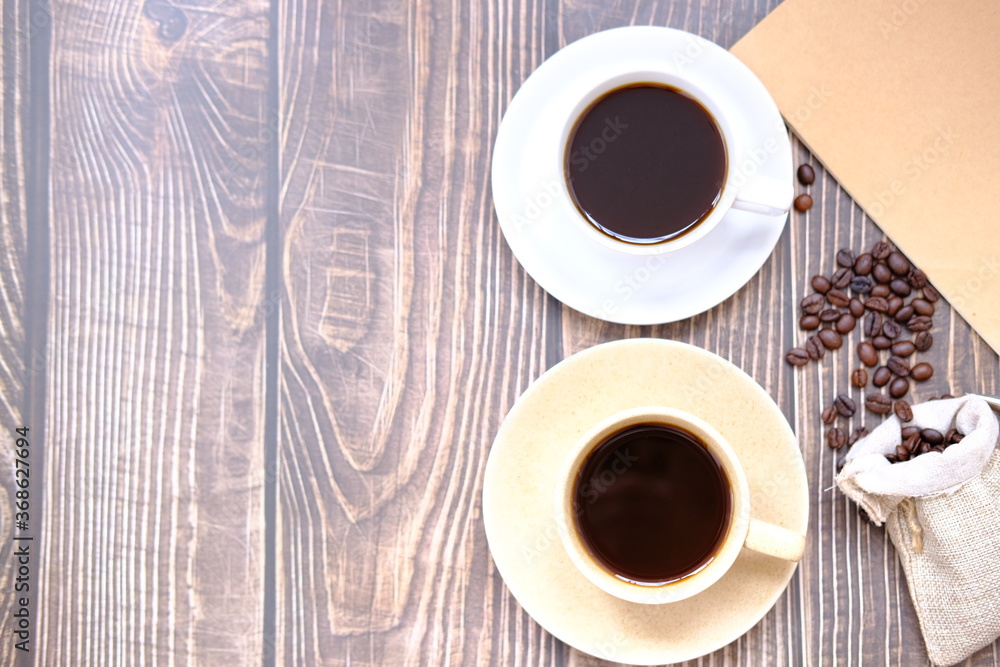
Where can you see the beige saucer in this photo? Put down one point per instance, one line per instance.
(529, 450)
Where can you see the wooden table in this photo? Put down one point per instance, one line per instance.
(258, 314)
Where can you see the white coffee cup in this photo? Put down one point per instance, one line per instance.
(743, 531)
(744, 187)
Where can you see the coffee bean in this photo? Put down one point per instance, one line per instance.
(806, 174)
(919, 323)
(835, 438)
(803, 203)
(861, 284)
(856, 307)
(899, 387)
(881, 250)
(916, 278)
(903, 411)
(837, 298)
(867, 354)
(845, 323)
(859, 378)
(841, 278)
(881, 376)
(912, 442)
(812, 304)
(909, 432)
(957, 438)
(829, 415)
(830, 339)
(944, 396)
(924, 447)
(891, 329)
(882, 274)
(809, 322)
(877, 303)
(891, 458)
(932, 436)
(898, 263)
(815, 349)
(863, 264)
(922, 372)
(900, 287)
(894, 304)
(923, 341)
(829, 315)
(821, 284)
(948, 437)
(859, 433)
(873, 324)
(904, 314)
(901, 453)
(880, 290)
(844, 405)
(898, 366)
(881, 343)
(878, 404)
(930, 293)
(922, 306)
(903, 348)
(845, 258)
(938, 448)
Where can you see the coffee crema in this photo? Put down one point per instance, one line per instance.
(645, 163)
(652, 504)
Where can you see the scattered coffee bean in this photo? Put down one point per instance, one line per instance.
(829, 415)
(922, 371)
(932, 436)
(898, 367)
(957, 438)
(901, 453)
(916, 278)
(900, 287)
(882, 274)
(881, 342)
(861, 284)
(877, 303)
(923, 306)
(830, 339)
(903, 348)
(899, 387)
(845, 323)
(806, 174)
(873, 324)
(912, 442)
(837, 298)
(891, 329)
(841, 278)
(878, 404)
(803, 203)
(903, 411)
(845, 258)
(835, 438)
(881, 250)
(859, 378)
(821, 284)
(923, 341)
(909, 432)
(924, 448)
(867, 354)
(812, 304)
(829, 315)
(881, 376)
(893, 306)
(844, 405)
(809, 322)
(814, 348)
(863, 264)
(904, 314)
(856, 307)
(948, 437)
(919, 323)
(858, 433)
(880, 290)
(898, 263)
(930, 293)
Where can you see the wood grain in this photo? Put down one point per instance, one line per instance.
(153, 521)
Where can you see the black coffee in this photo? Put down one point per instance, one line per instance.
(646, 163)
(652, 503)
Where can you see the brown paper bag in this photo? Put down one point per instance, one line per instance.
(942, 512)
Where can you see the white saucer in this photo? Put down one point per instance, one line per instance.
(583, 273)
(519, 502)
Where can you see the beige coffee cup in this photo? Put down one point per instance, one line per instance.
(743, 532)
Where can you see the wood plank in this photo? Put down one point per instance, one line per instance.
(15, 363)
(407, 330)
(153, 542)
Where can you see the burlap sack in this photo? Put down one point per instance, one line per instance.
(942, 511)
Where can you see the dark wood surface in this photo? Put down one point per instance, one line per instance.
(257, 310)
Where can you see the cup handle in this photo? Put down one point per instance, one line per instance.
(768, 196)
(766, 538)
